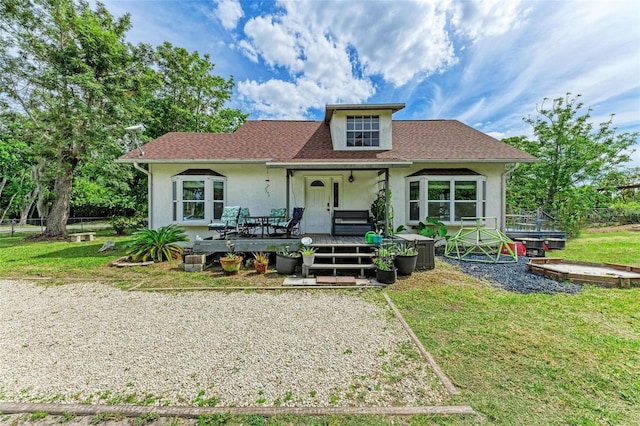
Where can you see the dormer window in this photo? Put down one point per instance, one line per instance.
(363, 130)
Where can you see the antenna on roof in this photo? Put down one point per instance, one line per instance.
(134, 129)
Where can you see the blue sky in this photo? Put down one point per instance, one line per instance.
(486, 63)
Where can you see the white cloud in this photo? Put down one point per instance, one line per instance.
(332, 50)
(229, 13)
(478, 19)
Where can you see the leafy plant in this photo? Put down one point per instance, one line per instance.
(157, 245)
(432, 229)
(307, 250)
(286, 251)
(260, 257)
(384, 259)
(407, 250)
(378, 209)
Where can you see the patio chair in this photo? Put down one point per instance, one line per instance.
(277, 215)
(246, 225)
(228, 221)
(291, 226)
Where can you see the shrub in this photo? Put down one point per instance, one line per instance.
(157, 245)
(628, 212)
(121, 224)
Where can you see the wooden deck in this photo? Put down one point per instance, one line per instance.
(271, 245)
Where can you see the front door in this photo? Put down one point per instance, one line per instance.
(317, 213)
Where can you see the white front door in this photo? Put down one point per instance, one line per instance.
(317, 213)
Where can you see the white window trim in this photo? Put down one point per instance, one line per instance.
(378, 131)
(208, 198)
(480, 196)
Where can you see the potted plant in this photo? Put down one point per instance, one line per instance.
(231, 261)
(260, 262)
(386, 272)
(406, 259)
(286, 261)
(308, 255)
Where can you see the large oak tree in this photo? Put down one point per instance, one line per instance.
(68, 68)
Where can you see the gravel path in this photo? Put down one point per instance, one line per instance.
(514, 276)
(93, 343)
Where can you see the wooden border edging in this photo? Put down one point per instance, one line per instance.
(138, 410)
(448, 384)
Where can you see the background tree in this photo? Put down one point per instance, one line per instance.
(17, 190)
(186, 96)
(574, 157)
(68, 69)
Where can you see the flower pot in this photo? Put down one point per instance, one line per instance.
(286, 265)
(377, 239)
(307, 259)
(231, 266)
(406, 264)
(261, 267)
(386, 277)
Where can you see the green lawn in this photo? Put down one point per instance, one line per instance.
(517, 359)
(610, 247)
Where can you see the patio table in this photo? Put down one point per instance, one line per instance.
(264, 222)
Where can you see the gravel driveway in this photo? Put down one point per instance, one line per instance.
(97, 344)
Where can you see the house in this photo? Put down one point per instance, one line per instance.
(438, 168)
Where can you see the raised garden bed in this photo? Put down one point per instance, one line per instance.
(601, 274)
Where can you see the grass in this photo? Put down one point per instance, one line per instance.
(517, 359)
(63, 261)
(621, 247)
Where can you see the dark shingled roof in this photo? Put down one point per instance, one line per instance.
(310, 141)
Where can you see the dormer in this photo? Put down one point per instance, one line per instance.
(361, 127)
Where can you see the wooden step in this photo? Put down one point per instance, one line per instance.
(341, 266)
(337, 266)
(343, 255)
(341, 245)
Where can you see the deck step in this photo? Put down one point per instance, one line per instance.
(342, 245)
(341, 266)
(344, 255)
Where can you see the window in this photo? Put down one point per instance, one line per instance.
(363, 131)
(445, 198)
(197, 199)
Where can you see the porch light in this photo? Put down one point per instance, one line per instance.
(351, 177)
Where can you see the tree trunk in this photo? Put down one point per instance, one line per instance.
(59, 214)
(26, 207)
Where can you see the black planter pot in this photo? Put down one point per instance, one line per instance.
(386, 277)
(406, 264)
(286, 265)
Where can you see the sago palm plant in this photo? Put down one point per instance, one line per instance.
(157, 245)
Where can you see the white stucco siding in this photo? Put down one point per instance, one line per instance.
(247, 185)
(261, 189)
(494, 200)
(339, 129)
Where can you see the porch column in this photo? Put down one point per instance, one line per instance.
(386, 203)
(288, 191)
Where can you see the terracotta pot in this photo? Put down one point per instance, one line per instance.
(261, 268)
(231, 266)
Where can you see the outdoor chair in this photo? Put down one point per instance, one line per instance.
(277, 215)
(292, 226)
(228, 221)
(246, 225)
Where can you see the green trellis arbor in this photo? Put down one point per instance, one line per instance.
(476, 241)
